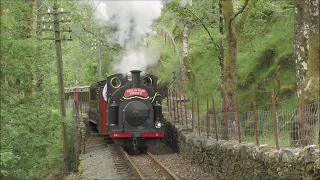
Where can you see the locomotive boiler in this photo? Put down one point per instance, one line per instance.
(132, 115)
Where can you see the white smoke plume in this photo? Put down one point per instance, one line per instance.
(100, 14)
(133, 20)
(184, 3)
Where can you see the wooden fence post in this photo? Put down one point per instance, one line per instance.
(207, 118)
(238, 120)
(173, 105)
(76, 136)
(185, 110)
(225, 116)
(198, 114)
(181, 109)
(275, 121)
(177, 108)
(215, 119)
(302, 116)
(255, 116)
(168, 103)
(192, 111)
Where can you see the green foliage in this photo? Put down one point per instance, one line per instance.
(268, 31)
(31, 142)
(169, 60)
(263, 14)
(203, 56)
(264, 61)
(90, 72)
(31, 126)
(30, 139)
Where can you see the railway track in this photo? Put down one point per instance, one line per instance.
(141, 166)
(146, 166)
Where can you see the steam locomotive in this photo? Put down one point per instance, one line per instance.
(132, 115)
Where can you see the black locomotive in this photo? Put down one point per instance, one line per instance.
(132, 115)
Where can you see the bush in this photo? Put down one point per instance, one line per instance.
(30, 140)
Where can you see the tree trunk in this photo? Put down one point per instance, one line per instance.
(221, 50)
(29, 19)
(38, 73)
(300, 40)
(39, 27)
(306, 53)
(233, 29)
(27, 35)
(313, 65)
(230, 78)
(230, 71)
(3, 33)
(184, 69)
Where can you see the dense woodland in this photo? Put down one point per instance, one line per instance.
(217, 47)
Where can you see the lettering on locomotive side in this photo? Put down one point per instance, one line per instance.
(136, 92)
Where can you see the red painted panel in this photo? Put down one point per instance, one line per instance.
(120, 135)
(135, 92)
(153, 134)
(103, 111)
(75, 95)
(90, 102)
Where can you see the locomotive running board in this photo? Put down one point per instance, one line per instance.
(120, 135)
(143, 135)
(153, 134)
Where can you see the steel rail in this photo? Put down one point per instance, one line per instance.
(166, 170)
(138, 173)
(133, 167)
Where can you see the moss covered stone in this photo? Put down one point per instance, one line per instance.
(266, 59)
(245, 81)
(286, 62)
(287, 91)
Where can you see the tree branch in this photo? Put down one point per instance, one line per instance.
(240, 11)
(96, 36)
(88, 31)
(237, 14)
(244, 16)
(201, 24)
(120, 51)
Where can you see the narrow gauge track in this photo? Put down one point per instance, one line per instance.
(146, 166)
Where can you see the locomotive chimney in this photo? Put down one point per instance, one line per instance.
(135, 78)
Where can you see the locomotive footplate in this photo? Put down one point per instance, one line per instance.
(136, 140)
(136, 134)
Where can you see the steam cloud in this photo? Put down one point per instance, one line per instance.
(133, 20)
(184, 3)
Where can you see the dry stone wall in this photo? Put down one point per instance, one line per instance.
(233, 160)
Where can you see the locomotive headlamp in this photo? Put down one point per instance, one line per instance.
(158, 124)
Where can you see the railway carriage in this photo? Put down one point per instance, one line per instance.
(132, 115)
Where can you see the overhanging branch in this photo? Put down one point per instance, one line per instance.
(240, 11)
(201, 24)
(237, 14)
(97, 36)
